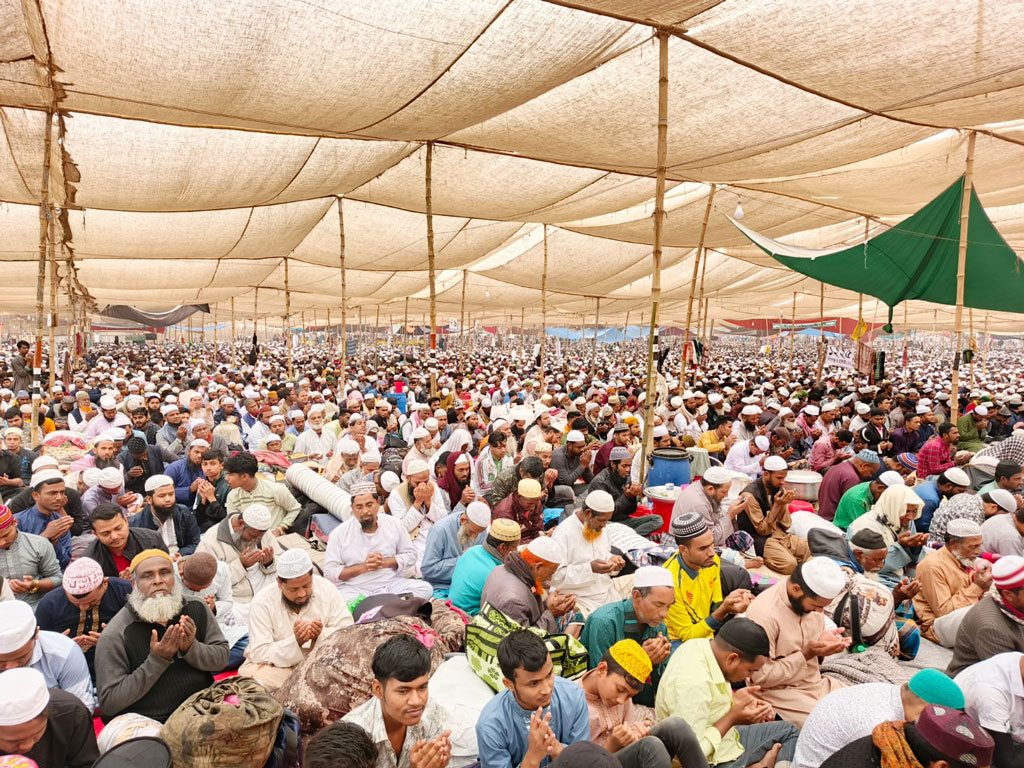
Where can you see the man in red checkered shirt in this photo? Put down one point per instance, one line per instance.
(936, 455)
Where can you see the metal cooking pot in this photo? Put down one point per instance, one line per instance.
(805, 483)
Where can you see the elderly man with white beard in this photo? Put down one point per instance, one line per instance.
(447, 540)
(422, 449)
(160, 648)
(316, 442)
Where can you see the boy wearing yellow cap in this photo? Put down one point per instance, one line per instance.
(624, 728)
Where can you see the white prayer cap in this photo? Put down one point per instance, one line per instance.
(479, 513)
(293, 563)
(257, 516)
(652, 576)
(419, 433)
(761, 441)
(431, 424)
(158, 481)
(91, 477)
(831, 405)
(389, 481)
(862, 408)
(45, 476)
(17, 626)
(43, 461)
(169, 408)
(890, 478)
(382, 404)
(316, 408)
(1004, 499)
(660, 431)
(107, 403)
(775, 464)
(463, 458)
(574, 436)
(750, 410)
(981, 410)
(922, 409)
(277, 417)
(370, 457)
(24, 694)
(962, 527)
(823, 577)
(676, 402)
(957, 476)
(544, 547)
(812, 410)
(348, 446)
(716, 475)
(416, 466)
(714, 398)
(199, 442)
(600, 502)
(110, 477)
(295, 414)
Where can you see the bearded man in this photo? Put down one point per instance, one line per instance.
(160, 648)
(176, 525)
(370, 553)
(286, 622)
(447, 540)
(588, 563)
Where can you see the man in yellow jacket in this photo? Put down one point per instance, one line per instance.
(699, 609)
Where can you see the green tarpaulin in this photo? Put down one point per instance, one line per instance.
(917, 259)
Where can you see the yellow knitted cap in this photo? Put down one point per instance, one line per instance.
(631, 657)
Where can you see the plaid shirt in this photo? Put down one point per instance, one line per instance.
(934, 457)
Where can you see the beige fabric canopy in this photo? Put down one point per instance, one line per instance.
(200, 145)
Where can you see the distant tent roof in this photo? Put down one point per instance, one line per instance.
(917, 259)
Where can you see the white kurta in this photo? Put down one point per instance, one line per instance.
(417, 521)
(231, 617)
(349, 545)
(309, 443)
(271, 623)
(592, 590)
(739, 460)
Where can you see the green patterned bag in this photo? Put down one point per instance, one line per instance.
(490, 626)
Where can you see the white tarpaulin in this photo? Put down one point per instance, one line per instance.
(199, 145)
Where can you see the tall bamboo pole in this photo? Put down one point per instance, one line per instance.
(344, 286)
(984, 359)
(544, 310)
(693, 283)
(522, 332)
(971, 343)
(53, 304)
(234, 334)
(429, 205)
(822, 349)
(792, 336)
(961, 269)
(45, 214)
(593, 346)
(625, 329)
(287, 317)
(406, 326)
(906, 359)
(376, 333)
(659, 223)
(462, 322)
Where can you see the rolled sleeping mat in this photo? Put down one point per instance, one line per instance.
(319, 489)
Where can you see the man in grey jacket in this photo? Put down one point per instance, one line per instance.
(518, 588)
(160, 648)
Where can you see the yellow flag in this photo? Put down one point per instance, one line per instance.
(859, 330)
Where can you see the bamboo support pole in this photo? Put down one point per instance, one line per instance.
(52, 357)
(522, 332)
(544, 310)
(376, 333)
(287, 317)
(971, 344)
(961, 269)
(462, 322)
(344, 287)
(792, 335)
(659, 222)
(429, 209)
(593, 346)
(406, 327)
(822, 348)
(45, 214)
(984, 359)
(693, 280)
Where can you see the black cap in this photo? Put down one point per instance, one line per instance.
(745, 636)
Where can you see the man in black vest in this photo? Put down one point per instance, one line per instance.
(160, 648)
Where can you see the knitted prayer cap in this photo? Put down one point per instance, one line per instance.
(934, 687)
(504, 529)
(632, 658)
(688, 525)
(146, 554)
(954, 734)
(6, 517)
(908, 460)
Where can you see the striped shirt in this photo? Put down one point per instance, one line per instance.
(30, 555)
(274, 496)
